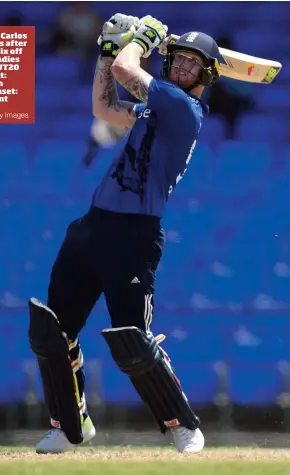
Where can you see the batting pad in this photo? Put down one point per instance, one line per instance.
(51, 348)
(137, 354)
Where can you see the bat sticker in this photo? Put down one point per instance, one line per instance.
(271, 74)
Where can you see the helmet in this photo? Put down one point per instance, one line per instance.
(207, 48)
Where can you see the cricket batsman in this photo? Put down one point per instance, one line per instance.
(116, 247)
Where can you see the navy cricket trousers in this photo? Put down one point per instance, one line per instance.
(111, 253)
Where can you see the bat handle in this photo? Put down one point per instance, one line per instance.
(169, 40)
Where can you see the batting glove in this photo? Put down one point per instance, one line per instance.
(117, 33)
(150, 34)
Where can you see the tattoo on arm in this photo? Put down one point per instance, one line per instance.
(137, 88)
(105, 79)
(106, 89)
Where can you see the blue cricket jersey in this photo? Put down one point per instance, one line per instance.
(155, 154)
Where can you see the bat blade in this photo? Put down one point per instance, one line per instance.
(239, 66)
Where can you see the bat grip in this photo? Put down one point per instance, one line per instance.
(162, 49)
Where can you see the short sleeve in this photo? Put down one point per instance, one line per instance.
(140, 107)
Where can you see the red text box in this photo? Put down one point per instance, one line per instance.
(17, 74)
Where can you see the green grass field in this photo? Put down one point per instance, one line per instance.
(128, 461)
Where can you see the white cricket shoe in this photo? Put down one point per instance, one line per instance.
(187, 441)
(56, 442)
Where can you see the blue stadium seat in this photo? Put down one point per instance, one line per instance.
(53, 100)
(198, 175)
(199, 382)
(255, 385)
(89, 178)
(277, 280)
(12, 328)
(33, 280)
(201, 162)
(267, 340)
(187, 235)
(213, 130)
(187, 249)
(228, 281)
(259, 43)
(14, 217)
(182, 326)
(56, 164)
(286, 157)
(117, 387)
(83, 99)
(241, 170)
(193, 360)
(249, 240)
(260, 16)
(62, 70)
(13, 385)
(232, 192)
(44, 16)
(47, 231)
(3, 278)
(261, 127)
(14, 156)
(256, 349)
(47, 226)
(15, 350)
(275, 101)
(76, 127)
(15, 239)
(243, 159)
(285, 73)
(21, 132)
(280, 222)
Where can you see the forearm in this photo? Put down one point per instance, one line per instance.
(128, 72)
(106, 103)
(105, 93)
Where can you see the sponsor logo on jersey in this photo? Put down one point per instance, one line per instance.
(145, 114)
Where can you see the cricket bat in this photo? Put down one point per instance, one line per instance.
(240, 66)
